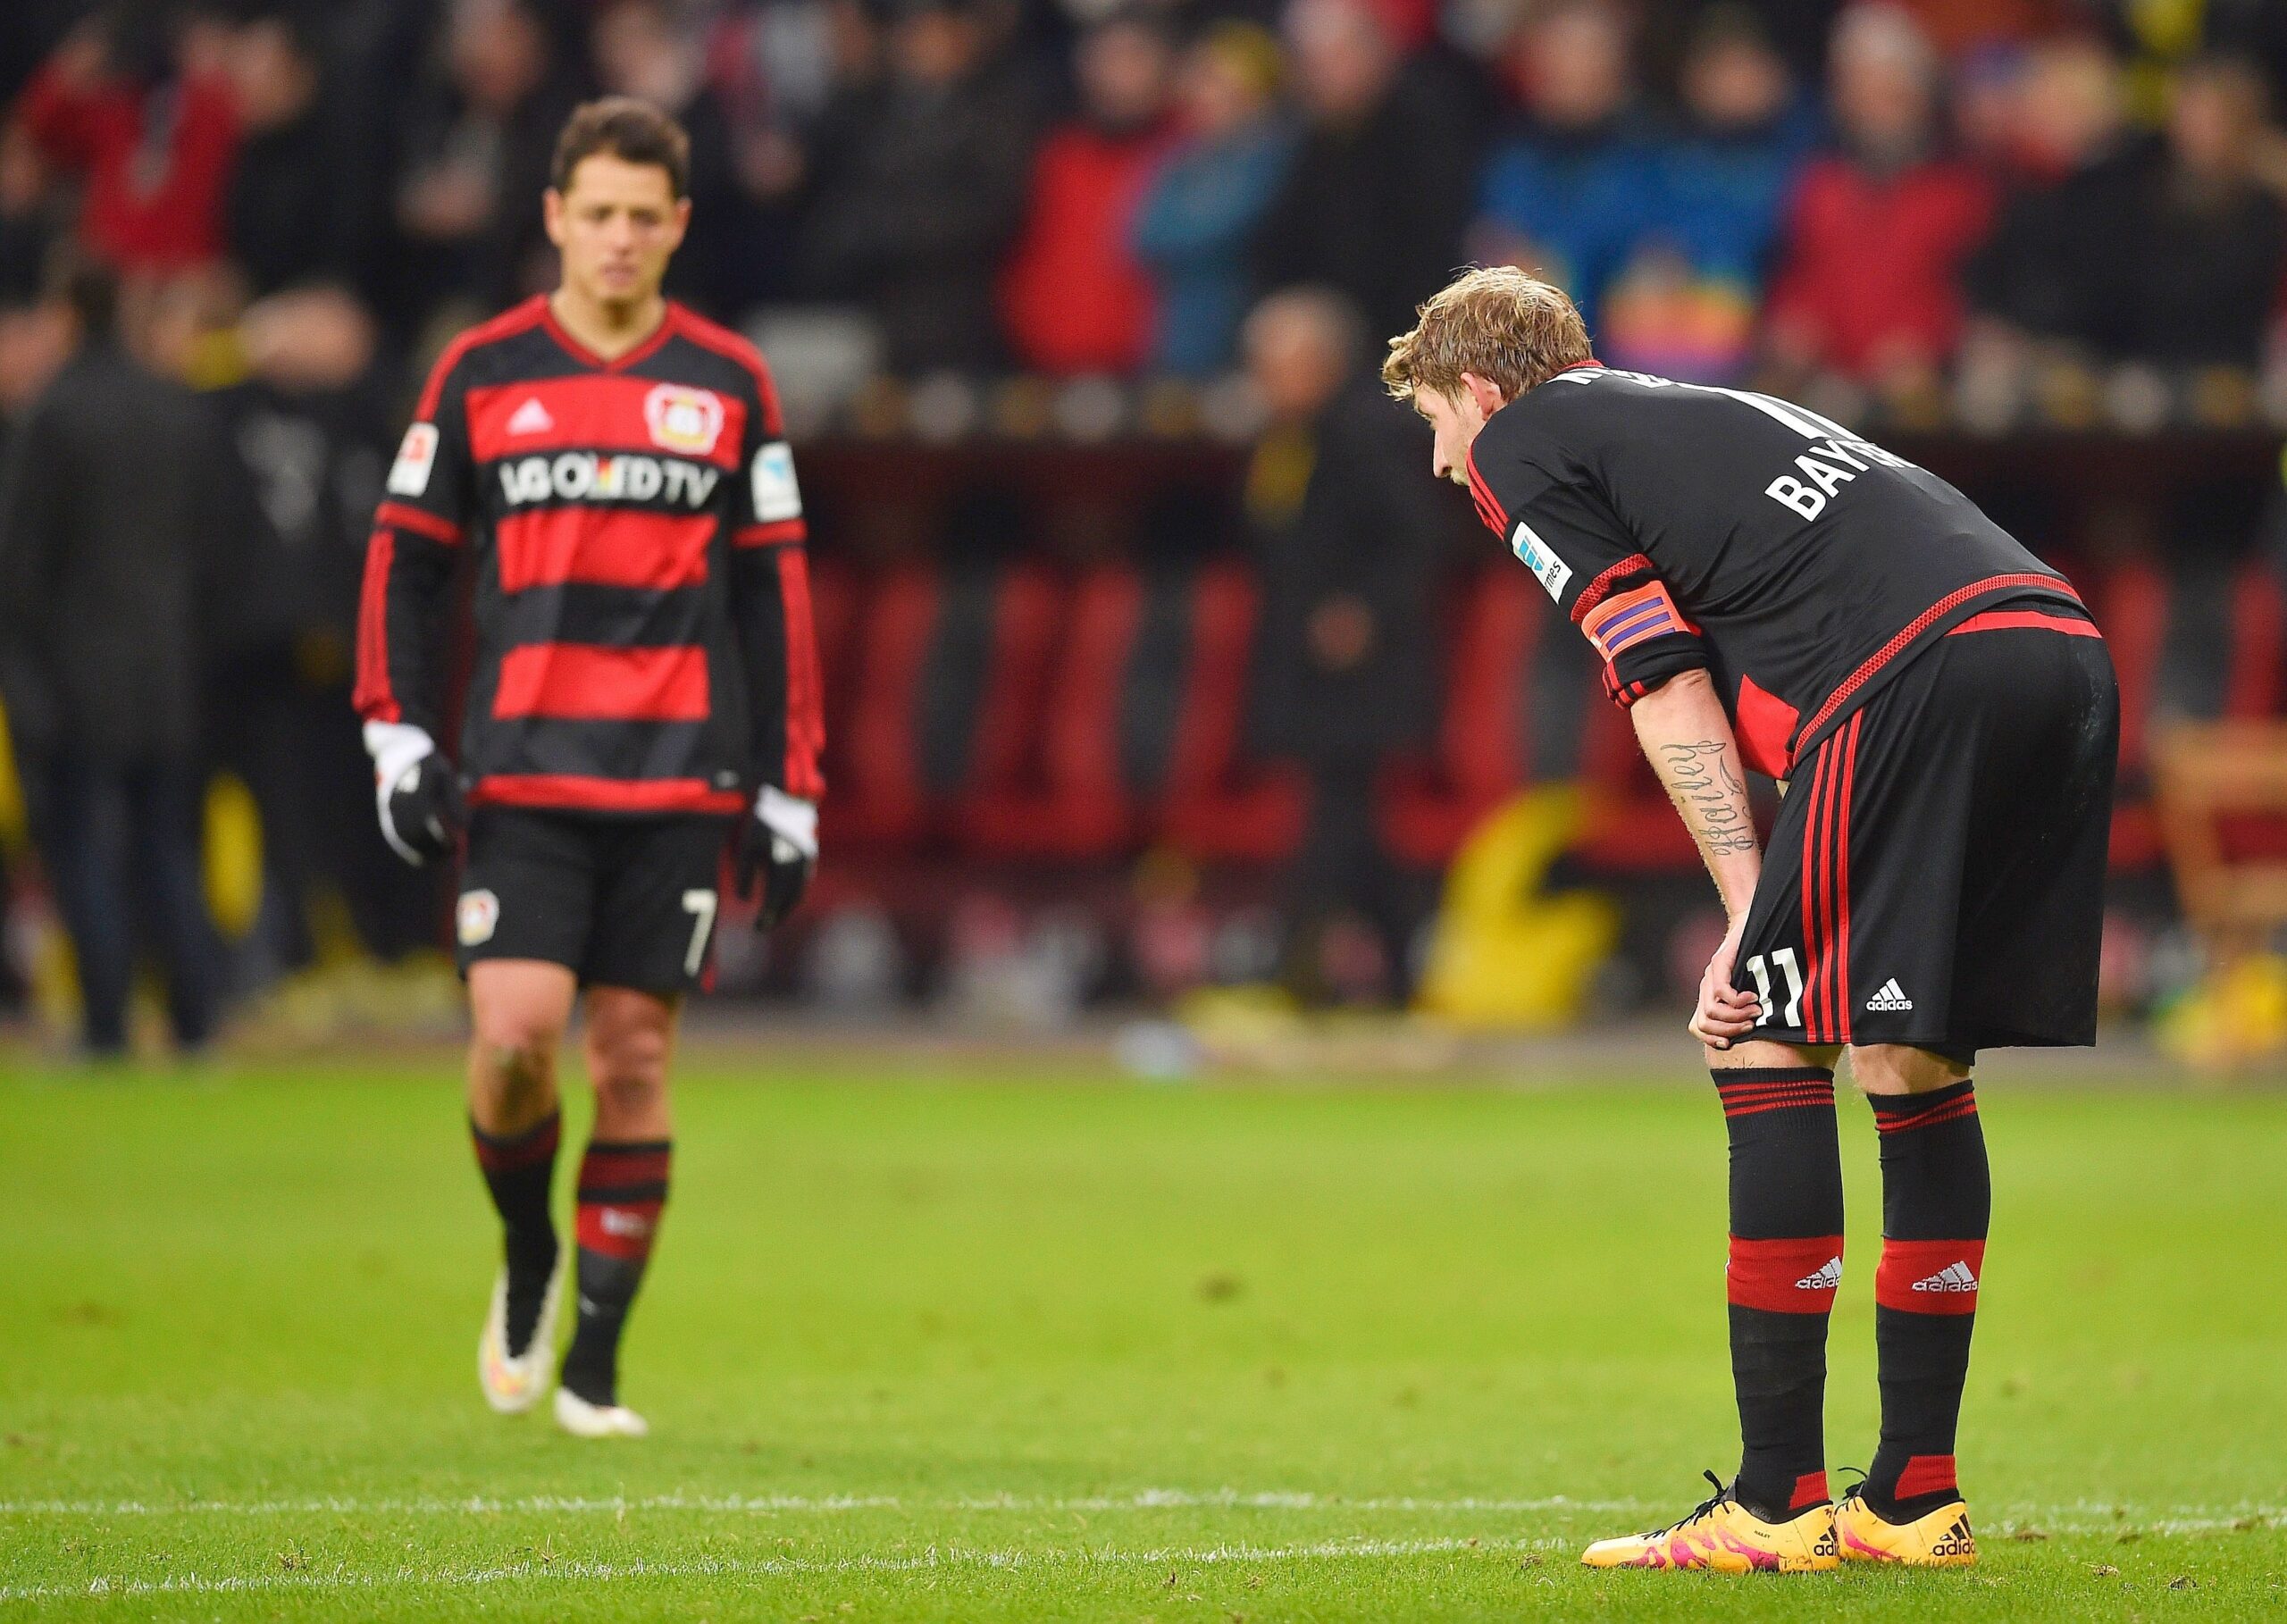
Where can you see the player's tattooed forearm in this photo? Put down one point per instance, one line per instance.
(1708, 794)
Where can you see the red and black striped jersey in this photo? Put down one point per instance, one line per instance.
(641, 599)
(1681, 526)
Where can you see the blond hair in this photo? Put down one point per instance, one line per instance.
(1507, 327)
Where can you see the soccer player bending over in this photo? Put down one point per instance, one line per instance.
(644, 690)
(1770, 592)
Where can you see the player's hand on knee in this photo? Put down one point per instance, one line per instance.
(414, 791)
(778, 852)
(1725, 1014)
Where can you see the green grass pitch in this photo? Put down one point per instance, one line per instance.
(1064, 1346)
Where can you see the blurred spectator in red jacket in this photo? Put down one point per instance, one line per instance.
(140, 109)
(1074, 296)
(1877, 232)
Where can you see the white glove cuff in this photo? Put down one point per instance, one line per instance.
(397, 748)
(791, 819)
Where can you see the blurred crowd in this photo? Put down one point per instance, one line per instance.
(280, 208)
(1730, 188)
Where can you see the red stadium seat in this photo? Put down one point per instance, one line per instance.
(1215, 805)
(1483, 729)
(875, 795)
(1063, 797)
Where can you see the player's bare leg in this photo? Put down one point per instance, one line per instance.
(623, 1187)
(519, 1008)
(1937, 1195)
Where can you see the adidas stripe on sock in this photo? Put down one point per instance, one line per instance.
(1785, 1263)
(1937, 1204)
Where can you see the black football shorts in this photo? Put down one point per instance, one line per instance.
(1936, 874)
(620, 901)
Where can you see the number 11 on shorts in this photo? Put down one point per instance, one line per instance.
(700, 906)
(1784, 959)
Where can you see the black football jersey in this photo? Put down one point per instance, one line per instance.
(1684, 526)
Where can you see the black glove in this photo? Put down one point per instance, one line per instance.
(778, 852)
(414, 791)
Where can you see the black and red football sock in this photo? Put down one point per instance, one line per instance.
(1786, 1263)
(518, 1168)
(1937, 1202)
(623, 1188)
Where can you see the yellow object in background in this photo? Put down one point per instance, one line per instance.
(233, 865)
(14, 833)
(1505, 955)
(2236, 1016)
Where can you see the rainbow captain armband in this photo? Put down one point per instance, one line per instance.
(1638, 616)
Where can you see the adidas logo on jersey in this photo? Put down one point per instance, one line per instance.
(1953, 1278)
(1890, 996)
(1827, 1279)
(530, 418)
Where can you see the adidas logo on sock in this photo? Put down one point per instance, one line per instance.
(530, 418)
(1953, 1278)
(1890, 996)
(1827, 1279)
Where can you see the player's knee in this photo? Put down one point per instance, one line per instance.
(630, 1068)
(1896, 1068)
(518, 1049)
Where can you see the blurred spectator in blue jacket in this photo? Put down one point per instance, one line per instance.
(1197, 221)
(1573, 188)
(1685, 306)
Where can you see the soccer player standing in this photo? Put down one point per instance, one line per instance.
(1770, 592)
(612, 469)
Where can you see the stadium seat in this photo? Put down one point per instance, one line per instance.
(1214, 805)
(876, 798)
(1065, 797)
(1485, 716)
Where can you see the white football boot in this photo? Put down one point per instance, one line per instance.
(582, 1419)
(512, 1385)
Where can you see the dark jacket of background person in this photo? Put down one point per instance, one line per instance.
(107, 526)
(2049, 271)
(1375, 200)
(289, 213)
(926, 202)
(104, 545)
(1366, 536)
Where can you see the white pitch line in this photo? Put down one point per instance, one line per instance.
(763, 1567)
(1142, 1500)
(2083, 1517)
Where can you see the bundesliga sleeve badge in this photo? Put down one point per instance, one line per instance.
(777, 495)
(416, 455)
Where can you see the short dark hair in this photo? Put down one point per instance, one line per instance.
(631, 130)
